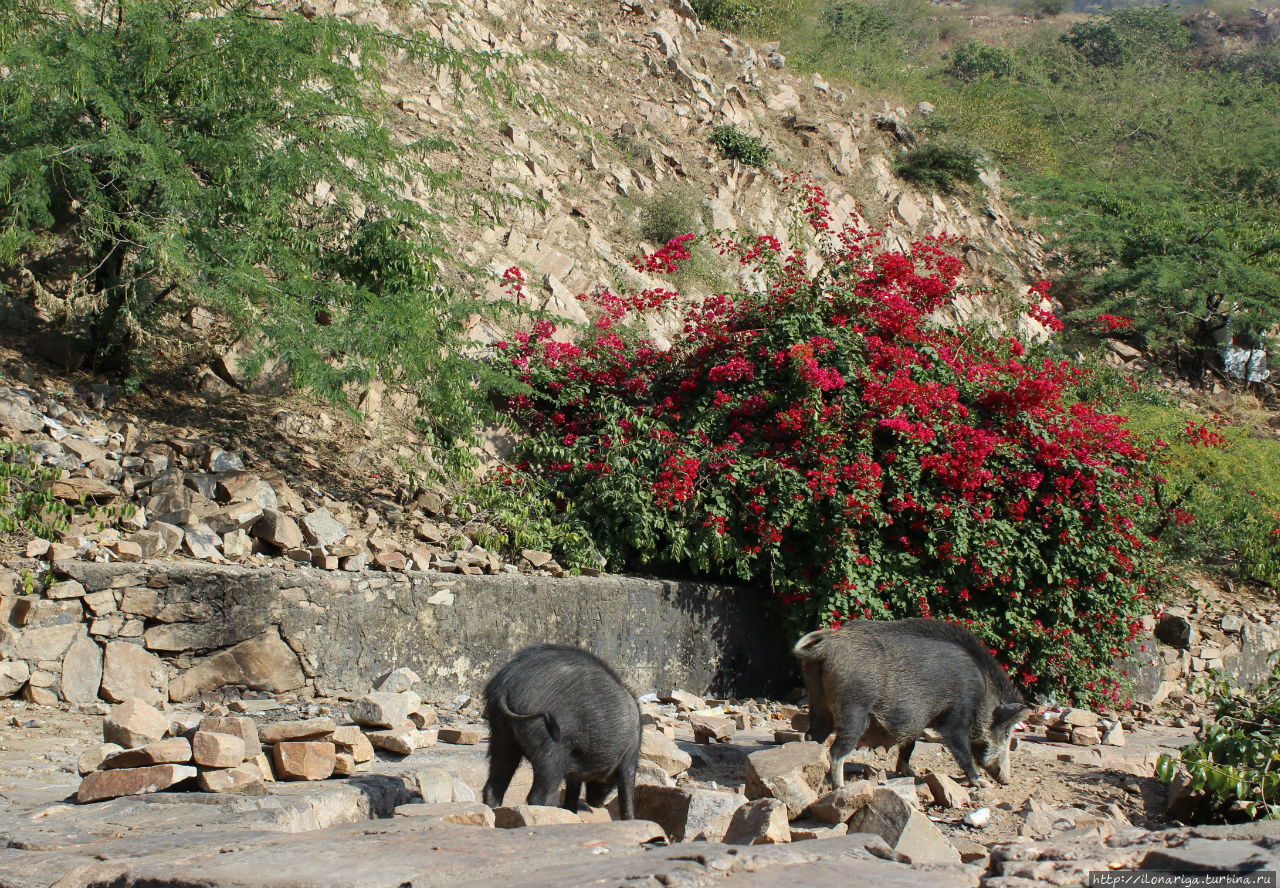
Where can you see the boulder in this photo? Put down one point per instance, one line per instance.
(305, 729)
(321, 529)
(462, 813)
(904, 829)
(242, 778)
(130, 670)
(381, 709)
(759, 822)
(134, 723)
(13, 675)
(279, 530)
(946, 792)
(171, 751)
(791, 773)
(81, 671)
(840, 804)
(101, 785)
(303, 760)
(662, 751)
(264, 663)
(238, 726)
(532, 815)
(213, 750)
(92, 758)
(688, 814)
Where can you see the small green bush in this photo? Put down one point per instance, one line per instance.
(671, 213)
(1234, 762)
(938, 167)
(857, 24)
(737, 145)
(763, 18)
(26, 505)
(972, 60)
(1128, 34)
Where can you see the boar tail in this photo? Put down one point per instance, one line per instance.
(552, 728)
(805, 647)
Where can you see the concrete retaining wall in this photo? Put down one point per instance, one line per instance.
(335, 633)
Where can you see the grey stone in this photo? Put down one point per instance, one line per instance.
(13, 675)
(381, 710)
(688, 814)
(81, 671)
(322, 529)
(904, 829)
(1210, 856)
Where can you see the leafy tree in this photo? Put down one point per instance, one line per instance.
(938, 167)
(1128, 34)
(162, 153)
(857, 24)
(973, 59)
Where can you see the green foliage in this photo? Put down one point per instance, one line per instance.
(1043, 8)
(938, 167)
(762, 18)
(1236, 508)
(26, 505)
(523, 514)
(857, 24)
(973, 59)
(671, 213)
(1128, 34)
(1235, 762)
(740, 146)
(163, 153)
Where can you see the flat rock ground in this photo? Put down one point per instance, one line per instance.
(338, 832)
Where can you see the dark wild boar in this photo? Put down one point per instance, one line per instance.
(567, 712)
(880, 684)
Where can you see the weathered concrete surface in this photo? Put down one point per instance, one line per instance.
(348, 629)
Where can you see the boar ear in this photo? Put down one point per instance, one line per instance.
(1007, 713)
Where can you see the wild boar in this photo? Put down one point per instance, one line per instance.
(570, 715)
(880, 684)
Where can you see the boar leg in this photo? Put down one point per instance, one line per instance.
(851, 726)
(904, 758)
(572, 789)
(504, 758)
(955, 733)
(549, 768)
(626, 780)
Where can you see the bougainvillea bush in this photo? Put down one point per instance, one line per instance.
(822, 436)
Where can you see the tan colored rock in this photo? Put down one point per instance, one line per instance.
(381, 709)
(760, 822)
(305, 729)
(792, 773)
(81, 671)
(237, 779)
(350, 739)
(101, 785)
(173, 751)
(839, 805)
(304, 760)
(464, 813)
(264, 663)
(213, 750)
(264, 767)
(946, 792)
(904, 828)
(682, 699)
(91, 759)
(532, 815)
(134, 723)
(663, 752)
(1081, 718)
(710, 729)
(402, 740)
(459, 736)
(688, 814)
(1086, 736)
(809, 830)
(237, 726)
(129, 670)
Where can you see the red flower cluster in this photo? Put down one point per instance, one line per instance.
(826, 436)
